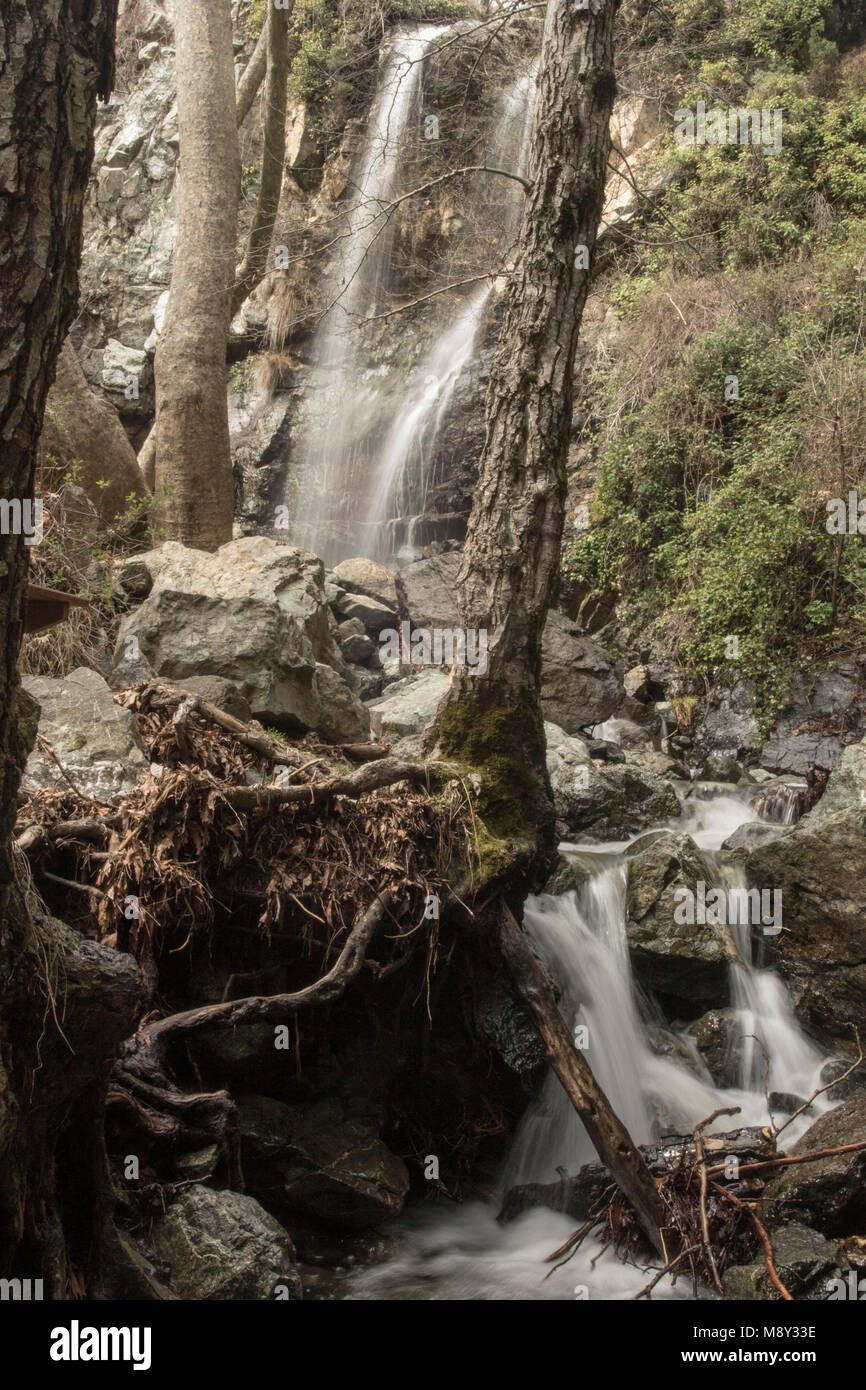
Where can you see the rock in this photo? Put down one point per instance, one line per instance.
(96, 740)
(636, 683)
(853, 1085)
(409, 705)
(718, 1037)
(659, 764)
(603, 751)
(319, 1164)
(754, 833)
(134, 577)
(223, 1245)
(828, 1193)
(427, 590)
(579, 687)
(198, 1165)
(253, 613)
(372, 612)
(794, 752)
(616, 801)
(220, 692)
(572, 871)
(846, 787)
(508, 1027)
(355, 645)
(731, 724)
(686, 962)
(821, 953)
(624, 733)
(720, 767)
(805, 1261)
(364, 577)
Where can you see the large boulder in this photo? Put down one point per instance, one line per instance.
(579, 686)
(427, 590)
(686, 962)
(359, 576)
(609, 802)
(318, 1164)
(254, 612)
(223, 1245)
(818, 867)
(96, 740)
(806, 1262)
(828, 1193)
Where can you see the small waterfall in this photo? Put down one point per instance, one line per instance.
(465, 1254)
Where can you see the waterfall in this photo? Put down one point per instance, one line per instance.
(328, 454)
(366, 447)
(581, 936)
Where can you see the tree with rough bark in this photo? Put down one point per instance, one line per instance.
(193, 471)
(492, 721)
(511, 560)
(55, 60)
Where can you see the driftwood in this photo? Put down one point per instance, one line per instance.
(609, 1136)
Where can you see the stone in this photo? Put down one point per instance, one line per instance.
(372, 612)
(319, 1164)
(508, 1026)
(685, 962)
(613, 801)
(579, 687)
(409, 705)
(360, 576)
(720, 767)
(731, 724)
(718, 1036)
(252, 613)
(224, 1245)
(828, 1193)
(427, 590)
(805, 1261)
(96, 740)
(636, 683)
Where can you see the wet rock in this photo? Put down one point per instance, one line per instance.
(805, 1261)
(604, 751)
(828, 1193)
(409, 705)
(625, 734)
(792, 753)
(615, 801)
(579, 686)
(718, 1036)
(720, 767)
(821, 953)
(731, 724)
(96, 740)
(372, 612)
(253, 613)
(223, 1245)
(753, 834)
(572, 871)
(508, 1027)
(319, 1164)
(686, 962)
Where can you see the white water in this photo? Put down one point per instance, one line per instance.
(365, 454)
(461, 1252)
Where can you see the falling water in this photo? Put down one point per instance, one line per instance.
(328, 453)
(465, 1254)
(367, 448)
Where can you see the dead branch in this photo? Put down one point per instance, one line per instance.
(793, 1158)
(765, 1240)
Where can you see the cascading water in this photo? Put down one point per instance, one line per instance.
(464, 1253)
(366, 448)
(328, 453)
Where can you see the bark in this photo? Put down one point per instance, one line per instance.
(252, 77)
(610, 1138)
(273, 158)
(511, 560)
(56, 57)
(193, 459)
(80, 426)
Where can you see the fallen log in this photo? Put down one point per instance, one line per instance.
(610, 1138)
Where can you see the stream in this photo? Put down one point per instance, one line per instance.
(460, 1251)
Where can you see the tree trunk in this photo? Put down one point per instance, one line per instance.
(252, 77)
(193, 461)
(55, 59)
(273, 158)
(610, 1138)
(511, 561)
(81, 427)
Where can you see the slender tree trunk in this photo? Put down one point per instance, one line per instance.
(252, 77)
(56, 57)
(273, 158)
(193, 460)
(511, 561)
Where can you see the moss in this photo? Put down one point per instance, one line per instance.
(505, 744)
